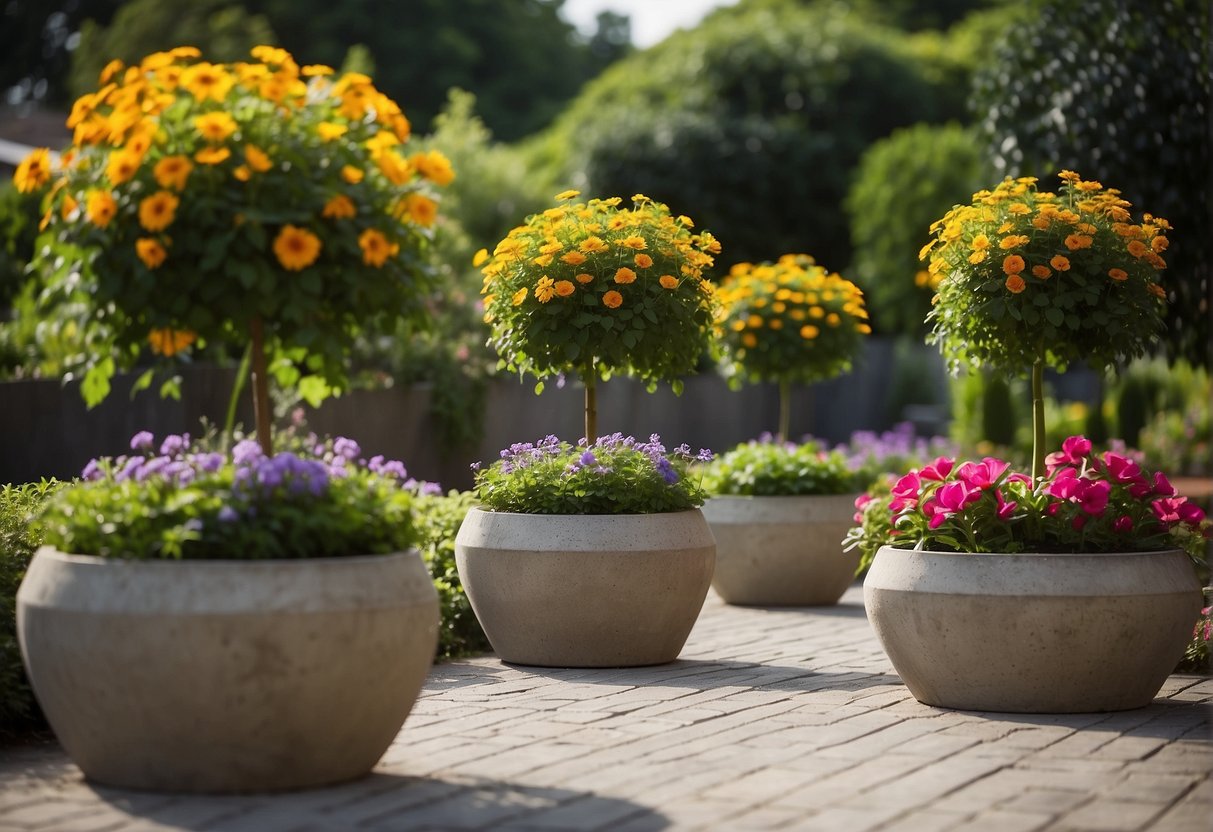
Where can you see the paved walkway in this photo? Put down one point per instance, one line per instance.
(772, 719)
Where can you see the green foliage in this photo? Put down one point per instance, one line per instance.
(18, 541)
(36, 46)
(616, 475)
(438, 521)
(598, 289)
(873, 523)
(1121, 91)
(1179, 434)
(18, 231)
(902, 184)
(294, 208)
(183, 504)
(789, 321)
(755, 119)
(222, 29)
(1198, 658)
(998, 420)
(1032, 276)
(766, 468)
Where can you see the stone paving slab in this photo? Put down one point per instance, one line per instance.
(771, 719)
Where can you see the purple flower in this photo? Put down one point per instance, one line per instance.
(346, 448)
(209, 463)
(174, 445)
(587, 458)
(227, 514)
(246, 451)
(129, 468)
(142, 441)
(92, 472)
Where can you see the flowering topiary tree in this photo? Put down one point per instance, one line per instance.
(597, 289)
(1031, 278)
(255, 202)
(789, 321)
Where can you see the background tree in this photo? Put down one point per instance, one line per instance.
(1119, 91)
(36, 38)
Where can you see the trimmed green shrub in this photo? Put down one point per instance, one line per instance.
(1119, 90)
(903, 184)
(438, 520)
(19, 711)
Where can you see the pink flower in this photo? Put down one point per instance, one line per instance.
(949, 499)
(1005, 509)
(1078, 522)
(937, 470)
(1172, 510)
(1063, 485)
(1162, 486)
(1073, 451)
(905, 492)
(1123, 524)
(1122, 469)
(861, 501)
(982, 474)
(1093, 496)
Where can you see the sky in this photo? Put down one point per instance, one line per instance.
(652, 20)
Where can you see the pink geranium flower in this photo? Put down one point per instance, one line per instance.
(937, 470)
(905, 492)
(1005, 509)
(1073, 451)
(982, 474)
(1122, 469)
(1122, 524)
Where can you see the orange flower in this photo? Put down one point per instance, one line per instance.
(1013, 264)
(584, 278)
(216, 126)
(668, 281)
(421, 209)
(573, 258)
(591, 245)
(1060, 262)
(100, 208)
(809, 332)
(340, 207)
(1157, 290)
(34, 171)
(257, 158)
(352, 174)
(634, 242)
(1077, 241)
(212, 155)
(643, 261)
(375, 247)
(296, 248)
(1043, 272)
(172, 172)
(1137, 248)
(1118, 274)
(169, 342)
(1015, 284)
(150, 252)
(625, 275)
(157, 211)
(122, 165)
(612, 299)
(1012, 241)
(564, 288)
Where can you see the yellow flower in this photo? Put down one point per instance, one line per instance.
(157, 211)
(1012, 241)
(34, 171)
(169, 342)
(100, 208)
(479, 257)
(434, 166)
(122, 166)
(352, 174)
(421, 209)
(1015, 284)
(1013, 264)
(584, 278)
(328, 131)
(1060, 263)
(242, 173)
(832, 319)
(976, 257)
(212, 155)
(612, 299)
(316, 70)
(591, 245)
(980, 243)
(564, 288)
(573, 258)
(809, 332)
(567, 195)
(375, 247)
(150, 252)
(257, 158)
(1118, 274)
(634, 242)
(172, 172)
(625, 275)
(205, 80)
(1159, 244)
(668, 281)
(340, 207)
(110, 70)
(643, 260)
(394, 166)
(296, 248)
(750, 340)
(544, 290)
(519, 296)
(1043, 272)
(216, 126)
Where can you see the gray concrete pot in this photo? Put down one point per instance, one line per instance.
(1033, 633)
(618, 590)
(782, 551)
(226, 676)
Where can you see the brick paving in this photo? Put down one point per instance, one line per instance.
(771, 719)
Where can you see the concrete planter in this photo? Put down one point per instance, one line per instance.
(226, 676)
(586, 590)
(1033, 633)
(782, 551)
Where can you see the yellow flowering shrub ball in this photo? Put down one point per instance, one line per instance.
(597, 288)
(1029, 276)
(206, 202)
(789, 321)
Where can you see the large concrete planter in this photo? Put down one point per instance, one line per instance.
(226, 676)
(782, 551)
(586, 590)
(1033, 633)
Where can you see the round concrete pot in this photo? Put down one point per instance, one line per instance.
(586, 590)
(782, 551)
(1033, 633)
(226, 676)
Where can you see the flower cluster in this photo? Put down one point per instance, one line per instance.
(898, 449)
(180, 501)
(767, 467)
(198, 196)
(617, 474)
(1086, 503)
(789, 321)
(1028, 274)
(598, 288)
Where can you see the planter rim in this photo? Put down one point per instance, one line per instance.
(484, 510)
(935, 553)
(47, 550)
(849, 494)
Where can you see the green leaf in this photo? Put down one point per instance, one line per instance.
(143, 382)
(538, 388)
(1055, 316)
(314, 390)
(171, 389)
(96, 384)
